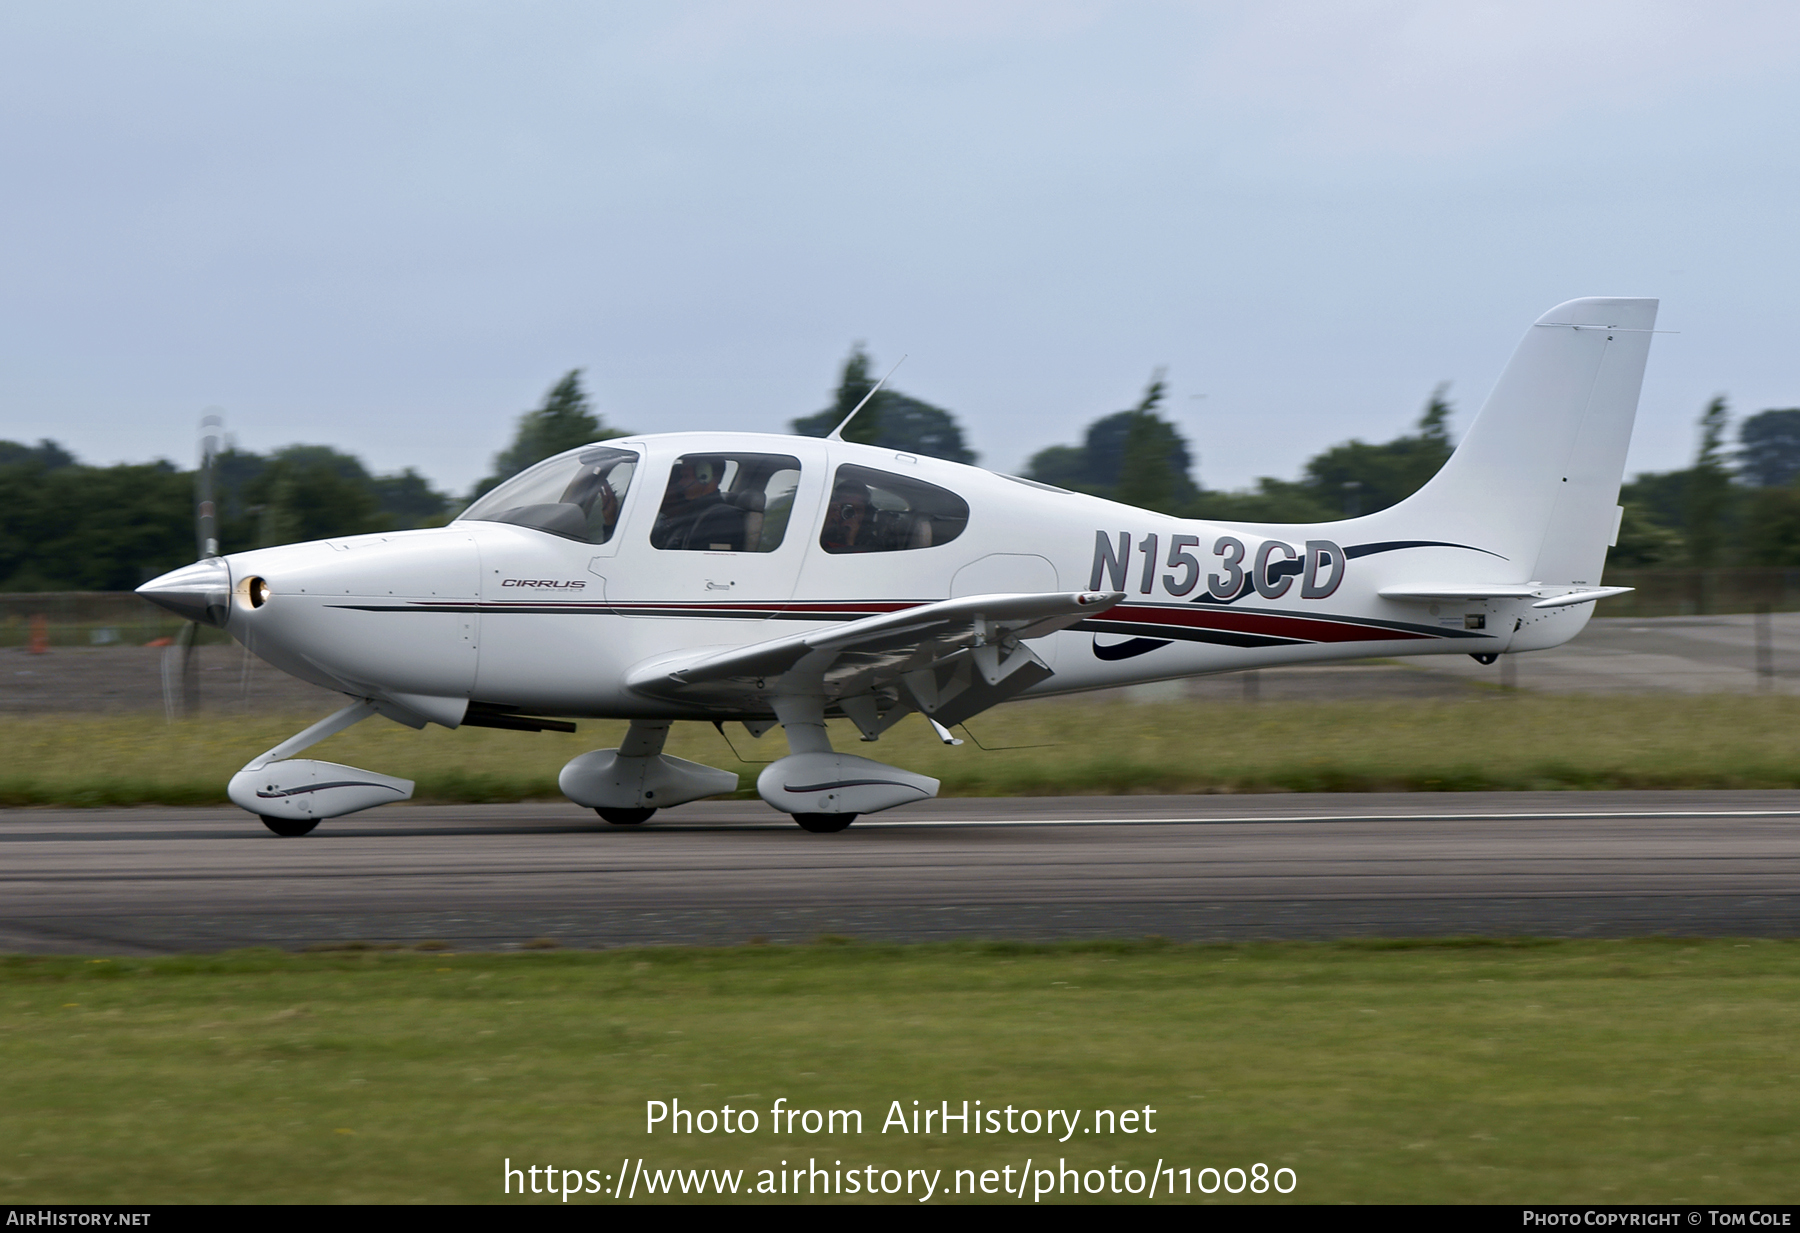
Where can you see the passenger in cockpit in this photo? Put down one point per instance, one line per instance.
(845, 520)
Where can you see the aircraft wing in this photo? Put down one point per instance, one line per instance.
(949, 660)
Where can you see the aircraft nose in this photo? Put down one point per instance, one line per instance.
(199, 592)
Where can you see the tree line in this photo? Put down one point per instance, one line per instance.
(1732, 507)
(65, 525)
(1138, 457)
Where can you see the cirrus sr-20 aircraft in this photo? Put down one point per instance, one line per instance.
(769, 580)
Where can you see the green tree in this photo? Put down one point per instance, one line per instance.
(1769, 448)
(853, 386)
(1062, 465)
(1660, 497)
(1644, 541)
(240, 519)
(46, 453)
(891, 420)
(1134, 456)
(1147, 476)
(1434, 424)
(308, 492)
(1272, 500)
(408, 500)
(1772, 526)
(561, 422)
(79, 528)
(1706, 499)
(257, 507)
(66, 526)
(1359, 478)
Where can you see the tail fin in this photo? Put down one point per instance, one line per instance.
(1536, 479)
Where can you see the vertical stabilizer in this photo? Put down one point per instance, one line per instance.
(1536, 479)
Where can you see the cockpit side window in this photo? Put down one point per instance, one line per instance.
(877, 511)
(577, 497)
(726, 503)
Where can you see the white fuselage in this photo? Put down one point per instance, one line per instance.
(531, 621)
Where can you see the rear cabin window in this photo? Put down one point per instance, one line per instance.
(726, 503)
(878, 511)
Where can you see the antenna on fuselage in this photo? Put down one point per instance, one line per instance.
(836, 433)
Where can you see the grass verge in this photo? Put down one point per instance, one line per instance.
(1502, 742)
(1572, 1072)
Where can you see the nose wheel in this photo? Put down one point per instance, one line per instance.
(625, 817)
(824, 823)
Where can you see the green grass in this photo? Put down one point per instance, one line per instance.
(1502, 742)
(1576, 1072)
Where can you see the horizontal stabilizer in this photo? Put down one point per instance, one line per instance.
(1581, 597)
(1546, 596)
(1463, 590)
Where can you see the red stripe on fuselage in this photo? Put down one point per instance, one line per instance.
(1249, 621)
(1150, 616)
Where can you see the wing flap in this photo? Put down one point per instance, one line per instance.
(853, 658)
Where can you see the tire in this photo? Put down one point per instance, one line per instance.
(626, 817)
(289, 828)
(824, 823)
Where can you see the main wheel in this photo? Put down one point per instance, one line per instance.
(626, 817)
(289, 828)
(824, 823)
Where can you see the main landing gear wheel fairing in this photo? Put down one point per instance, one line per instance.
(625, 817)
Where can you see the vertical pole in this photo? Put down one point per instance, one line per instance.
(1765, 652)
(206, 521)
(1509, 673)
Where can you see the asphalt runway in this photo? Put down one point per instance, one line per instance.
(492, 877)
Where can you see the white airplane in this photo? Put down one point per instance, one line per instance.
(764, 580)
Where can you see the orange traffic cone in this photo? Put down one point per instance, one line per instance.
(39, 642)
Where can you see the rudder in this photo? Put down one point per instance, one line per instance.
(1536, 478)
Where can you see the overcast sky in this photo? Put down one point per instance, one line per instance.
(390, 227)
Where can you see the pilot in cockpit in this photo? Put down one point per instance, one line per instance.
(692, 495)
(592, 493)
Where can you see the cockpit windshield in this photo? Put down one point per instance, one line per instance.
(576, 496)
